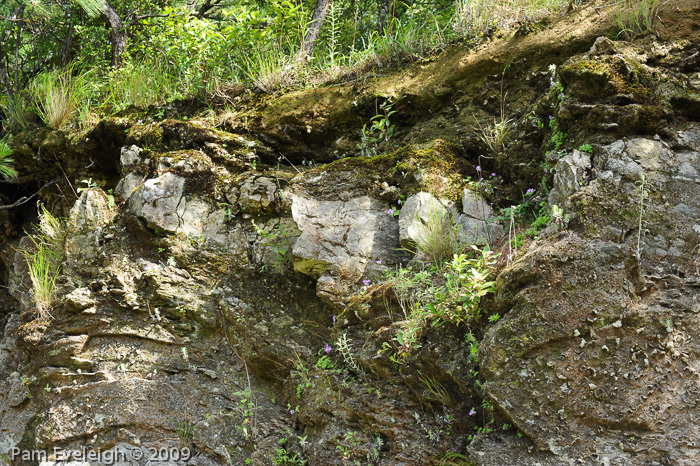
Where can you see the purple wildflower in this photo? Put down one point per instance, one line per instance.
(529, 191)
(390, 211)
(291, 411)
(399, 201)
(328, 348)
(478, 168)
(493, 174)
(366, 281)
(481, 179)
(379, 262)
(334, 319)
(472, 412)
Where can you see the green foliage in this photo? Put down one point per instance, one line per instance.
(379, 132)
(636, 17)
(7, 169)
(246, 411)
(586, 148)
(451, 292)
(58, 94)
(284, 458)
(557, 137)
(44, 260)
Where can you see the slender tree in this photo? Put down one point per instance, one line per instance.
(317, 19)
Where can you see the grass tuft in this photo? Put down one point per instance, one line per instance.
(44, 261)
(7, 169)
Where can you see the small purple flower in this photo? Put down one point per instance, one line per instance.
(399, 201)
(472, 412)
(379, 262)
(481, 179)
(291, 411)
(478, 168)
(334, 319)
(551, 117)
(328, 348)
(493, 174)
(390, 211)
(366, 281)
(561, 96)
(529, 191)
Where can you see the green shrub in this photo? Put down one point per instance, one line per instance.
(442, 293)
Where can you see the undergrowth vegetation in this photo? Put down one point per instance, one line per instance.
(182, 50)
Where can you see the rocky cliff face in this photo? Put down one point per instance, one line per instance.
(220, 302)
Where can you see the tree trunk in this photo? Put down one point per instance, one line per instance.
(312, 34)
(117, 34)
(67, 52)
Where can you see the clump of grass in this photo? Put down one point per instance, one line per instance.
(637, 16)
(474, 19)
(44, 261)
(269, 69)
(438, 237)
(7, 169)
(58, 94)
(141, 85)
(18, 112)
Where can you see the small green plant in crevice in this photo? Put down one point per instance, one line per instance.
(487, 420)
(586, 148)
(185, 430)
(559, 217)
(7, 164)
(379, 132)
(44, 260)
(245, 409)
(279, 240)
(284, 458)
(438, 237)
(349, 447)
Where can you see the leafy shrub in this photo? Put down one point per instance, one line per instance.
(442, 293)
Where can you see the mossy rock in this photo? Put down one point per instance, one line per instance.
(433, 167)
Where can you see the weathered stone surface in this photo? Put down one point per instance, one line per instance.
(129, 157)
(571, 172)
(580, 371)
(258, 195)
(158, 202)
(341, 240)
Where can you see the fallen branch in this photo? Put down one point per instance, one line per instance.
(25, 199)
